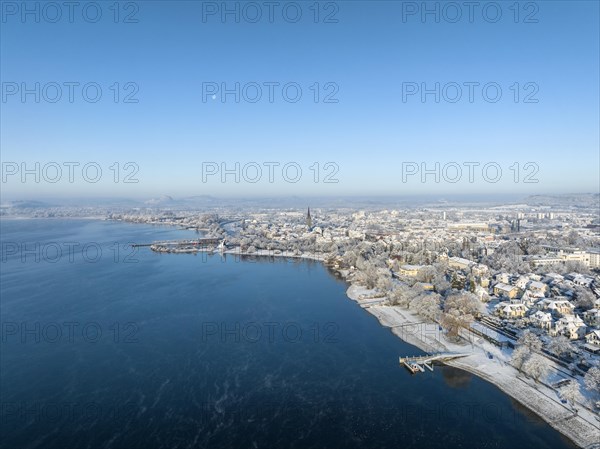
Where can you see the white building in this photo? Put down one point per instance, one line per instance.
(506, 290)
(588, 258)
(543, 320)
(460, 263)
(410, 270)
(592, 317)
(559, 306)
(538, 288)
(570, 326)
(511, 310)
(593, 338)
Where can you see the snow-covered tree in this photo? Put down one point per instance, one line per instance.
(571, 393)
(584, 298)
(427, 305)
(440, 283)
(524, 357)
(573, 237)
(453, 321)
(464, 303)
(367, 275)
(396, 294)
(530, 340)
(592, 380)
(561, 346)
(519, 356)
(457, 281)
(384, 280)
(536, 366)
(427, 274)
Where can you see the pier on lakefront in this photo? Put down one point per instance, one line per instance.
(419, 363)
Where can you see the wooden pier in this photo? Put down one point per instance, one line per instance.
(418, 364)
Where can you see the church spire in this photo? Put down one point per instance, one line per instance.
(308, 220)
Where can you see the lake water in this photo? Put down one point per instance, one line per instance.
(109, 349)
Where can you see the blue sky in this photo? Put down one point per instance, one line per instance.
(370, 133)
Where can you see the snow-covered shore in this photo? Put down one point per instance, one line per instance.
(583, 428)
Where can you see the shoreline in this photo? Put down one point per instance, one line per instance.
(536, 397)
(27, 217)
(581, 429)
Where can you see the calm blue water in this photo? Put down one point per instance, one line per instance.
(148, 350)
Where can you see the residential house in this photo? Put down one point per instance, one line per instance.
(592, 317)
(537, 288)
(580, 279)
(556, 306)
(553, 278)
(460, 263)
(570, 326)
(593, 338)
(482, 294)
(522, 282)
(505, 290)
(543, 320)
(410, 270)
(511, 310)
(480, 270)
(529, 299)
(503, 278)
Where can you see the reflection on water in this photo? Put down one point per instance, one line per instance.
(456, 378)
(526, 413)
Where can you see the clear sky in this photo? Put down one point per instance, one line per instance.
(373, 57)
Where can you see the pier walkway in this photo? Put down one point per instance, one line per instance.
(419, 363)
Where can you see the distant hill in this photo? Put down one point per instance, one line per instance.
(163, 200)
(26, 204)
(582, 200)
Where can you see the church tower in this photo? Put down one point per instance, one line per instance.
(308, 220)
